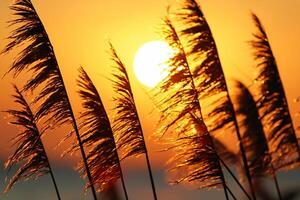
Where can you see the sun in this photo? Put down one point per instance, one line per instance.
(150, 62)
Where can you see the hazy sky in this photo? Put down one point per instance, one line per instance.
(79, 31)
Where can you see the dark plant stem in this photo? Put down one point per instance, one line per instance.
(224, 188)
(276, 183)
(235, 179)
(148, 164)
(51, 173)
(54, 183)
(49, 166)
(243, 153)
(230, 192)
(222, 175)
(82, 152)
(151, 176)
(277, 187)
(123, 184)
(79, 140)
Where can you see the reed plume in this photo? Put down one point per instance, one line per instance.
(195, 160)
(97, 136)
(38, 57)
(30, 152)
(253, 136)
(208, 73)
(128, 130)
(272, 104)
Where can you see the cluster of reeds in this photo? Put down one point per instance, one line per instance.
(262, 122)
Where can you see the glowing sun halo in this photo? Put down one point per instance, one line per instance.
(150, 62)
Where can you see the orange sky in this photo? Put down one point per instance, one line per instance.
(79, 31)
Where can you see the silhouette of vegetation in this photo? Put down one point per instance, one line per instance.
(194, 104)
(208, 72)
(97, 136)
(272, 104)
(195, 159)
(253, 136)
(30, 153)
(127, 126)
(39, 58)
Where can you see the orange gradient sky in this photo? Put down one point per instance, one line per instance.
(79, 31)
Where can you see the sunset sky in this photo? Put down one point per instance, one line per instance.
(80, 31)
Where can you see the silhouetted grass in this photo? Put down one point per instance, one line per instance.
(272, 104)
(126, 125)
(195, 160)
(30, 153)
(266, 136)
(39, 58)
(253, 136)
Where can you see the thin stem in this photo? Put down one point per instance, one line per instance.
(50, 169)
(219, 164)
(123, 184)
(245, 163)
(224, 188)
(151, 176)
(54, 183)
(49, 166)
(235, 179)
(146, 152)
(276, 183)
(277, 187)
(148, 162)
(230, 192)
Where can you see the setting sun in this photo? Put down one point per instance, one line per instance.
(150, 62)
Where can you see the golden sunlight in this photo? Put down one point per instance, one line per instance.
(150, 62)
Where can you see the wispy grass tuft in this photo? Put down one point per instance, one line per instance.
(39, 58)
(207, 70)
(181, 124)
(126, 125)
(30, 153)
(97, 136)
(272, 104)
(253, 136)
